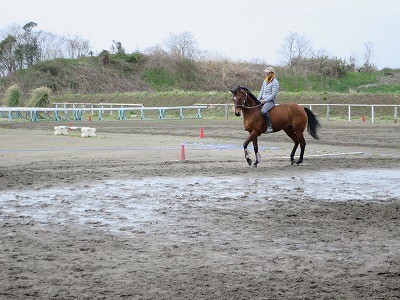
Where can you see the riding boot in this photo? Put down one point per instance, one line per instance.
(268, 122)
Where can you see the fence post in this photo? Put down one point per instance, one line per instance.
(395, 114)
(372, 114)
(101, 113)
(198, 116)
(121, 113)
(162, 113)
(56, 116)
(327, 112)
(349, 113)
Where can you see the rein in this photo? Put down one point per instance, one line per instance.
(248, 107)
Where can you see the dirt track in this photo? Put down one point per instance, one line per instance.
(213, 227)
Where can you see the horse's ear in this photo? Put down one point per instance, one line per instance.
(236, 90)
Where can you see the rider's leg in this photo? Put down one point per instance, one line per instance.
(267, 106)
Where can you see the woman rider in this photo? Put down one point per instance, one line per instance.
(268, 93)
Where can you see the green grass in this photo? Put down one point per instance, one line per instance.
(381, 89)
(160, 80)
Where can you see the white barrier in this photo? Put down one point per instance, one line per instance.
(86, 131)
(33, 112)
(328, 108)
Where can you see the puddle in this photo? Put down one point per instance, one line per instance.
(129, 205)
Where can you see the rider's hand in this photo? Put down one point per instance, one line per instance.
(262, 101)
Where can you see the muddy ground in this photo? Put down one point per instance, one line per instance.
(119, 216)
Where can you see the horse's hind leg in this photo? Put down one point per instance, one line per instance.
(292, 134)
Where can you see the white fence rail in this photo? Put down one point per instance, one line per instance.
(96, 105)
(78, 110)
(327, 107)
(350, 106)
(33, 112)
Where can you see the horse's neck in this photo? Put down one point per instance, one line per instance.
(252, 109)
(251, 102)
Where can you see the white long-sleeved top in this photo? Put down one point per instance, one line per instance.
(269, 91)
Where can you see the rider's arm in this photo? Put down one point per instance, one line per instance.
(262, 91)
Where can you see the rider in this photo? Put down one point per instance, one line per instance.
(268, 93)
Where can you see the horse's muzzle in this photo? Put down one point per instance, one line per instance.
(238, 110)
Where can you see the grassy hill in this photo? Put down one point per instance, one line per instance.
(163, 80)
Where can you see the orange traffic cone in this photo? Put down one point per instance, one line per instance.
(362, 118)
(201, 135)
(182, 156)
(90, 118)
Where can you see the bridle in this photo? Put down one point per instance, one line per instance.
(244, 102)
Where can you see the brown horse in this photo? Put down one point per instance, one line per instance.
(289, 117)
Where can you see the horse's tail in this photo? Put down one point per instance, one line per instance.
(313, 123)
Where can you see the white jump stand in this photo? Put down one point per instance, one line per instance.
(85, 131)
(88, 132)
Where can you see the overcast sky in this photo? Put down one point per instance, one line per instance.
(239, 30)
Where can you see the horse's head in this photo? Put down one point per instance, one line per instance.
(239, 99)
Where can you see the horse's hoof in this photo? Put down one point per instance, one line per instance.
(292, 162)
(255, 165)
(249, 161)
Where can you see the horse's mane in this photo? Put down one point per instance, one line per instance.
(251, 95)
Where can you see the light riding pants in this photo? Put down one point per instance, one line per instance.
(267, 106)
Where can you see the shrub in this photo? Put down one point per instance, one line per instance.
(323, 65)
(40, 97)
(134, 57)
(13, 96)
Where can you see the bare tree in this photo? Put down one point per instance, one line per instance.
(53, 46)
(157, 57)
(182, 45)
(353, 62)
(77, 47)
(368, 54)
(295, 47)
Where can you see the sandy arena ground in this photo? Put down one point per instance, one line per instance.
(120, 217)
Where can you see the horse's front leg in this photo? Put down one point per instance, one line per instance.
(258, 156)
(253, 135)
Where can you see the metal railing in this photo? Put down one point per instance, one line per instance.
(33, 113)
(328, 108)
(350, 106)
(78, 109)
